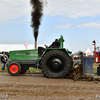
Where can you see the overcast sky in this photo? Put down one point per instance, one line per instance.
(77, 20)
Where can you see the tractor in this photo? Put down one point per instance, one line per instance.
(54, 62)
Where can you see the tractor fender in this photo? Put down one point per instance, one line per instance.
(63, 49)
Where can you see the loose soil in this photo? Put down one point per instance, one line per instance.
(32, 86)
(77, 74)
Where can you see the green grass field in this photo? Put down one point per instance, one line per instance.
(95, 71)
(5, 68)
(36, 70)
(39, 70)
(96, 63)
(30, 69)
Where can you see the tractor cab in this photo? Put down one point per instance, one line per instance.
(58, 43)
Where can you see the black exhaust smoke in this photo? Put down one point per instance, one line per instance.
(37, 8)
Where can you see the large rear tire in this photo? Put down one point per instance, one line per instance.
(56, 64)
(14, 68)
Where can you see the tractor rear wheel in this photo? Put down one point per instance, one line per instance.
(56, 64)
(14, 68)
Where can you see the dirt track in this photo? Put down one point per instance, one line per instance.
(37, 87)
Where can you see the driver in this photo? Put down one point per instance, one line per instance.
(55, 44)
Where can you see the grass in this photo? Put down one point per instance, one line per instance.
(34, 70)
(95, 70)
(30, 69)
(38, 70)
(5, 68)
(96, 63)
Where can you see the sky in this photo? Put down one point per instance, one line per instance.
(78, 21)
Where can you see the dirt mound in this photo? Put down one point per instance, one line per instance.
(77, 75)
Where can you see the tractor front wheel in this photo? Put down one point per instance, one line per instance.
(14, 68)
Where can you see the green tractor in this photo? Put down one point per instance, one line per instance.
(54, 62)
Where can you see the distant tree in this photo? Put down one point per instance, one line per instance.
(78, 53)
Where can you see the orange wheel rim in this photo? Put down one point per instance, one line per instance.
(14, 68)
